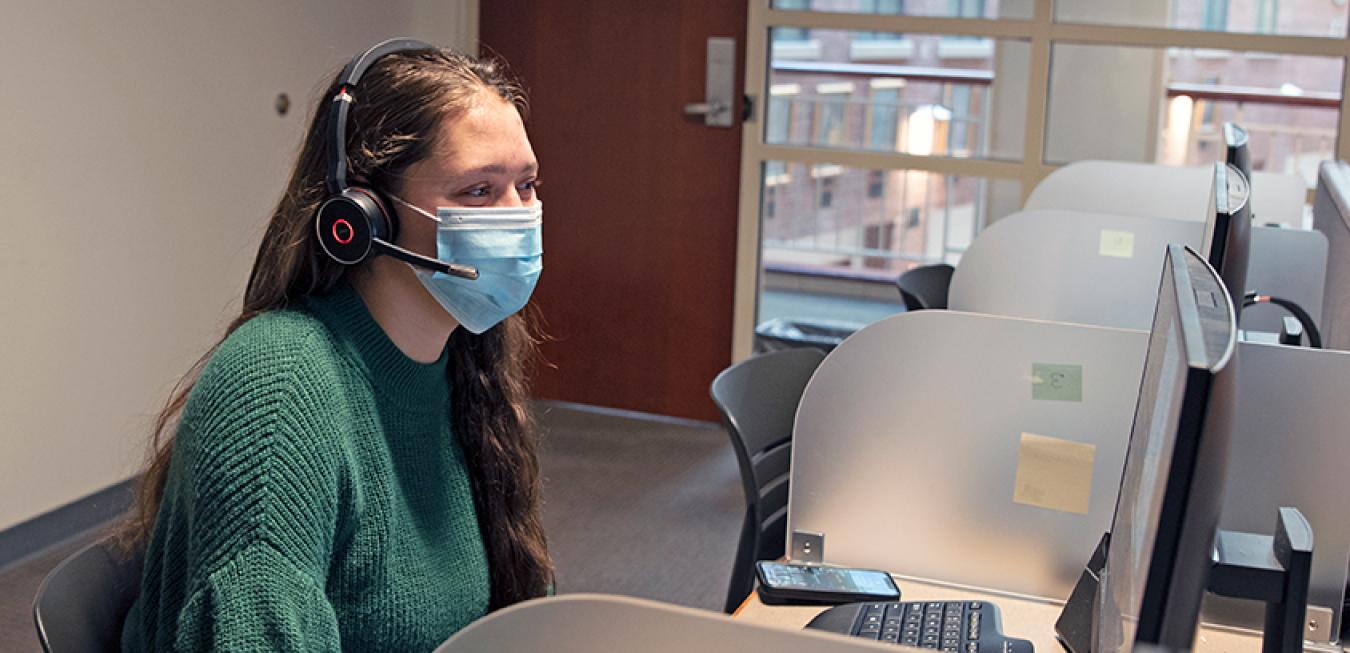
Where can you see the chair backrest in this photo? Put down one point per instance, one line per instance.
(81, 604)
(925, 287)
(758, 400)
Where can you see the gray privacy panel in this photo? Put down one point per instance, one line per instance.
(1055, 265)
(1289, 263)
(1157, 191)
(1331, 216)
(907, 442)
(587, 623)
(1104, 269)
(1291, 449)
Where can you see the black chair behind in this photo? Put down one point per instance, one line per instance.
(81, 604)
(758, 400)
(925, 287)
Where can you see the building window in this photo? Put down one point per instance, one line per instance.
(964, 9)
(1216, 15)
(826, 192)
(876, 183)
(885, 107)
(777, 128)
(770, 203)
(792, 33)
(886, 7)
(960, 103)
(1267, 16)
(830, 128)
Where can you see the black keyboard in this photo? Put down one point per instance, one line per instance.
(950, 626)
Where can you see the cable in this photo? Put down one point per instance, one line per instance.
(1314, 336)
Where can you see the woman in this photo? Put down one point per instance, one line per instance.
(353, 466)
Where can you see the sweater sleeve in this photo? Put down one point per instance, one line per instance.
(258, 601)
(262, 471)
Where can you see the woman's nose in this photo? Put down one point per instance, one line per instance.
(510, 199)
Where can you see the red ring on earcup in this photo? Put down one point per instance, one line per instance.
(343, 225)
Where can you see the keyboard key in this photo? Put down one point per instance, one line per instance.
(975, 605)
(972, 647)
(914, 641)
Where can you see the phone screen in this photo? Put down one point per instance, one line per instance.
(828, 579)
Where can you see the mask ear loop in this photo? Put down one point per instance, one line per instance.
(412, 206)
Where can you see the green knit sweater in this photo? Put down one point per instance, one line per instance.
(316, 500)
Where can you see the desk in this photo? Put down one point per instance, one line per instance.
(1023, 618)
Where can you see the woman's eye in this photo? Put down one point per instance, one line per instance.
(529, 186)
(479, 192)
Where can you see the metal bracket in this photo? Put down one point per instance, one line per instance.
(807, 547)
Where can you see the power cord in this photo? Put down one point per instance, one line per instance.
(1314, 336)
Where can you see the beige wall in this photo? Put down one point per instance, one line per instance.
(139, 157)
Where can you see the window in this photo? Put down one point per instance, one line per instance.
(1216, 15)
(961, 123)
(876, 183)
(892, 7)
(1267, 16)
(885, 108)
(830, 127)
(826, 192)
(792, 33)
(778, 125)
(964, 9)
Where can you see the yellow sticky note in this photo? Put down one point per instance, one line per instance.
(1054, 473)
(1119, 244)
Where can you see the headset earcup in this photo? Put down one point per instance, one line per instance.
(343, 226)
(383, 219)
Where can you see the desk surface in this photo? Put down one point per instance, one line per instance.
(1022, 618)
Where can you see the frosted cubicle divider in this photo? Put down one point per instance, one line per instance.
(1290, 449)
(590, 623)
(1331, 216)
(968, 449)
(987, 451)
(1068, 266)
(1157, 191)
(1099, 268)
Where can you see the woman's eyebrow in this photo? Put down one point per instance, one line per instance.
(497, 169)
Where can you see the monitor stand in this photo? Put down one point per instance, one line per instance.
(1274, 569)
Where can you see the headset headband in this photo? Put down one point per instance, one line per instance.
(342, 102)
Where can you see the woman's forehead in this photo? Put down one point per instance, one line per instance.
(489, 133)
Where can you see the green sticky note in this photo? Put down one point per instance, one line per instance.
(1119, 244)
(1056, 382)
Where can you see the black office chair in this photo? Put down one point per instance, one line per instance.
(82, 603)
(758, 400)
(925, 287)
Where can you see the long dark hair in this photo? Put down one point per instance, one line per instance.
(404, 99)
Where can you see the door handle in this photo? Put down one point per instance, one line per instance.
(719, 91)
(710, 109)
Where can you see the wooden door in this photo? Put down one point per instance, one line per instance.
(640, 200)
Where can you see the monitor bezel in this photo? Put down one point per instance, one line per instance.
(1175, 571)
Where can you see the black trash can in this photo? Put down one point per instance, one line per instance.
(782, 333)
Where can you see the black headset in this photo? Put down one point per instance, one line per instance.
(356, 220)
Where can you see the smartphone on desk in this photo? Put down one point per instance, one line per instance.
(782, 583)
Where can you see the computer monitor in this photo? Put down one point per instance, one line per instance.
(1227, 240)
(1239, 155)
(1171, 491)
(1331, 216)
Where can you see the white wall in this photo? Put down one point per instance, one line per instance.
(140, 155)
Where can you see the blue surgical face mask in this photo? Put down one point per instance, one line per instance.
(507, 247)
